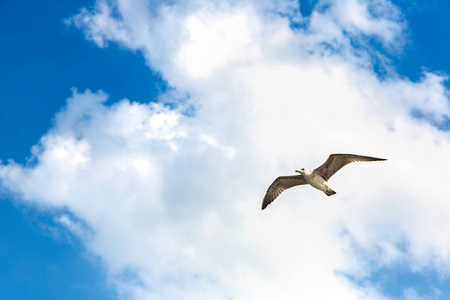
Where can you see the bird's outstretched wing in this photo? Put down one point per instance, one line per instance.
(336, 161)
(279, 185)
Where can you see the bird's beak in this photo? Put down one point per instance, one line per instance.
(297, 171)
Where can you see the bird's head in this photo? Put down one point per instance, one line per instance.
(301, 171)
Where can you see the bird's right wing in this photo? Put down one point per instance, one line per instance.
(279, 185)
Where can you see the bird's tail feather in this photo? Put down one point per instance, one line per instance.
(330, 192)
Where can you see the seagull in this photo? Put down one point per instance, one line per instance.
(317, 178)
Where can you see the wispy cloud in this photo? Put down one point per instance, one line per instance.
(174, 198)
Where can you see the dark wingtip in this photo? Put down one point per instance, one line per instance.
(265, 203)
(376, 158)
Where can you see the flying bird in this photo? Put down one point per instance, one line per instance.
(317, 178)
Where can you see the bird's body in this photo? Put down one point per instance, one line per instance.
(317, 178)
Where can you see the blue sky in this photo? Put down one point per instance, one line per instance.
(54, 244)
(51, 58)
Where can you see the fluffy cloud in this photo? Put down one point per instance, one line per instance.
(171, 195)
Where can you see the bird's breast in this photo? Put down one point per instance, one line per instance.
(316, 181)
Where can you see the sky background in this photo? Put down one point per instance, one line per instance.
(139, 137)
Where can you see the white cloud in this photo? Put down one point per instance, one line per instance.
(174, 198)
(379, 18)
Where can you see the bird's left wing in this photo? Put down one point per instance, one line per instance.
(279, 185)
(336, 161)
